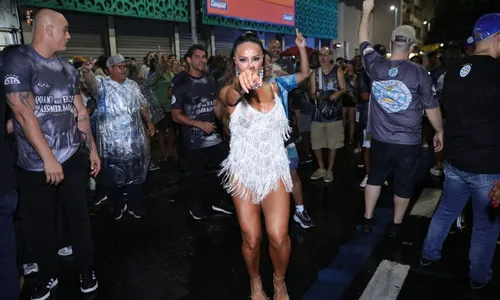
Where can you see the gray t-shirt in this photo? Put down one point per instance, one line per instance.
(195, 97)
(401, 90)
(54, 84)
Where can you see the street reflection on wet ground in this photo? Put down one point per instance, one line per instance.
(170, 256)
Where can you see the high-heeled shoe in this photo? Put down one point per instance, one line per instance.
(259, 290)
(279, 289)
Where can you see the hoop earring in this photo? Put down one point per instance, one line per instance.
(237, 71)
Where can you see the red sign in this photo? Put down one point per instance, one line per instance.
(266, 11)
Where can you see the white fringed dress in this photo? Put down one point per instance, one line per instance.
(258, 161)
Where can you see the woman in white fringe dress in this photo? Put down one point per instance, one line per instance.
(256, 171)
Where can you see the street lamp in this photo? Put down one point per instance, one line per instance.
(395, 9)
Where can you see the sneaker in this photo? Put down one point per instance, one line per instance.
(154, 167)
(101, 200)
(303, 219)
(88, 282)
(30, 268)
(197, 214)
(328, 177)
(42, 292)
(224, 208)
(357, 150)
(363, 183)
(436, 172)
(66, 251)
(318, 174)
(395, 231)
(306, 160)
(118, 213)
(137, 214)
(360, 165)
(368, 225)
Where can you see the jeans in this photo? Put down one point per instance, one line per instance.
(215, 155)
(458, 187)
(39, 206)
(9, 276)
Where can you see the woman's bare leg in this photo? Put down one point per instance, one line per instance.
(276, 208)
(251, 232)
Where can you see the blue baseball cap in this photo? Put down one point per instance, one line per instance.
(487, 25)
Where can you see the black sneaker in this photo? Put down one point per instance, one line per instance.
(224, 208)
(434, 268)
(197, 214)
(118, 213)
(303, 219)
(368, 225)
(395, 231)
(137, 214)
(42, 291)
(88, 282)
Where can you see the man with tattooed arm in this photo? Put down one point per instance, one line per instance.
(54, 149)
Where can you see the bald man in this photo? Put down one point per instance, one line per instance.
(286, 66)
(54, 149)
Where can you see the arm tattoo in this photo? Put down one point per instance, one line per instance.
(24, 98)
(85, 139)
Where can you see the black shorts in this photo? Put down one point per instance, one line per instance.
(347, 101)
(400, 160)
(166, 122)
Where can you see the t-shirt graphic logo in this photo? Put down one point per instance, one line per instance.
(393, 72)
(392, 95)
(465, 70)
(173, 99)
(11, 79)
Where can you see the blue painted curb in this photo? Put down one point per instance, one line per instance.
(334, 280)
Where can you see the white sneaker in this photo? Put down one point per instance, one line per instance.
(30, 268)
(319, 173)
(363, 183)
(328, 177)
(66, 251)
(436, 172)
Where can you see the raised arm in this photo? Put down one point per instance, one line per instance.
(312, 86)
(90, 80)
(304, 59)
(365, 18)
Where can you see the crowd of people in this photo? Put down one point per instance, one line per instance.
(90, 124)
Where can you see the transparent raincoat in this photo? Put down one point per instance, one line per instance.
(121, 137)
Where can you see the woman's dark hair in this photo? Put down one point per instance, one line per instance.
(219, 64)
(101, 62)
(248, 37)
(452, 54)
(417, 59)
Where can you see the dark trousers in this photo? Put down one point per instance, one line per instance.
(134, 195)
(39, 206)
(9, 276)
(214, 155)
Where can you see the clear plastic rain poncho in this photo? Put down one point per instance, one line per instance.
(121, 137)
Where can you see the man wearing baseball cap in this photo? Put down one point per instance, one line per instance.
(400, 91)
(470, 95)
(121, 138)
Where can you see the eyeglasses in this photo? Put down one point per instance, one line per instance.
(122, 67)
